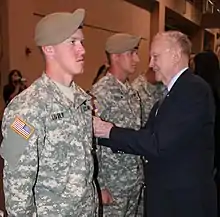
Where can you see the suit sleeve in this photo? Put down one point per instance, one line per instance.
(189, 118)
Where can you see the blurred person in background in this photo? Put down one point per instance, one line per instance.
(207, 67)
(16, 84)
(191, 61)
(217, 49)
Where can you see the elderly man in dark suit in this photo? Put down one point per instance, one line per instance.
(178, 138)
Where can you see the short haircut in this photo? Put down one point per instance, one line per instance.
(108, 57)
(179, 39)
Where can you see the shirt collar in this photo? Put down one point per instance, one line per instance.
(174, 79)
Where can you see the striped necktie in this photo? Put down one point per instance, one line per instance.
(164, 94)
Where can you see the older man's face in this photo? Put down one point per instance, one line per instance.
(161, 59)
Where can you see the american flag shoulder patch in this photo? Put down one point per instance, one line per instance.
(22, 128)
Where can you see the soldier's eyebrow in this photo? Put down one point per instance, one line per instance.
(75, 38)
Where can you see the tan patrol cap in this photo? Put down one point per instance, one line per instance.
(121, 42)
(57, 27)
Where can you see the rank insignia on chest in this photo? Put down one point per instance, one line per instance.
(135, 96)
(57, 116)
(86, 107)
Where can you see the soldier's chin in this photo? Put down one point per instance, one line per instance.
(132, 71)
(80, 71)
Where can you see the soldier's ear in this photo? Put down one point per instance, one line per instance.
(48, 50)
(115, 57)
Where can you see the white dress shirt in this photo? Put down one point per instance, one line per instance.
(174, 79)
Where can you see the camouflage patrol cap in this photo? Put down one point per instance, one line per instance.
(121, 42)
(57, 27)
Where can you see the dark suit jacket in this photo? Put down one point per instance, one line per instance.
(179, 144)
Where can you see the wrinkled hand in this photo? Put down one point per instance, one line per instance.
(101, 128)
(106, 197)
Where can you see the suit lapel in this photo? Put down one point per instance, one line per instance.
(161, 103)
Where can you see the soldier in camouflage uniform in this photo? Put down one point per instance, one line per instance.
(47, 131)
(121, 175)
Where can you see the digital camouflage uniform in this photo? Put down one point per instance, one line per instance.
(47, 152)
(121, 174)
(148, 93)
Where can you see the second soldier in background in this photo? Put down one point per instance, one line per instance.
(121, 175)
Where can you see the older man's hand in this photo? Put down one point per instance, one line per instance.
(101, 128)
(107, 198)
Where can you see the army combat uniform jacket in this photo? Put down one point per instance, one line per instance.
(47, 151)
(120, 173)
